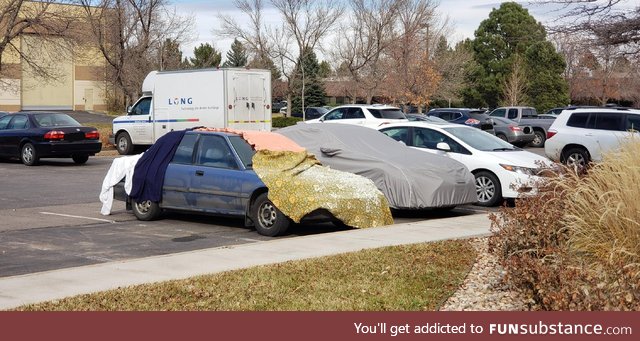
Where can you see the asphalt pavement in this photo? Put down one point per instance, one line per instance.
(57, 284)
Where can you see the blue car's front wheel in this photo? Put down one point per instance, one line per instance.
(268, 219)
(146, 210)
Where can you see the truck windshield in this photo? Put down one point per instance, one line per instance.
(244, 150)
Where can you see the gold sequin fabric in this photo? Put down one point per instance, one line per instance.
(298, 185)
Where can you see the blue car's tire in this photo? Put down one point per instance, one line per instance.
(146, 210)
(268, 219)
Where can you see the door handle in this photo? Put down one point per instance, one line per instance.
(247, 105)
(199, 172)
(253, 105)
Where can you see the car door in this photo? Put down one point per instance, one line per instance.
(217, 178)
(15, 131)
(176, 191)
(141, 115)
(4, 124)
(609, 130)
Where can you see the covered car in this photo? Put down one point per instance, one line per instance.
(260, 176)
(408, 178)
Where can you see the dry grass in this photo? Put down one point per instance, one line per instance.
(406, 278)
(576, 245)
(603, 210)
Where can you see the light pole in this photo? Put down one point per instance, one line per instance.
(304, 118)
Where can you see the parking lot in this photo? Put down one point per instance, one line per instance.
(51, 219)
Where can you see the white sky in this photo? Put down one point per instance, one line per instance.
(465, 15)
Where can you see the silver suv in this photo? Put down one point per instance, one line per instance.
(368, 115)
(579, 136)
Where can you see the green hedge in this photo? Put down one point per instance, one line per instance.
(281, 122)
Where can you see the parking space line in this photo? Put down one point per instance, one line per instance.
(79, 217)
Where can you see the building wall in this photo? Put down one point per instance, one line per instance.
(79, 82)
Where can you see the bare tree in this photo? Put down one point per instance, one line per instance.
(256, 36)
(515, 85)
(129, 33)
(450, 64)
(49, 27)
(419, 30)
(361, 43)
(609, 21)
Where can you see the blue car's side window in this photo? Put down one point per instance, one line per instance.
(213, 151)
(184, 153)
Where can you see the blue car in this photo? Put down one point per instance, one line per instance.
(211, 173)
(476, 118)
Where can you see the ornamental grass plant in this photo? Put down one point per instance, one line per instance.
(576, 244)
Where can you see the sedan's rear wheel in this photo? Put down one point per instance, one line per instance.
(268, 219)
(488, 189)
(146, 210)
(503, 137)
(28, 155)
(80, 158)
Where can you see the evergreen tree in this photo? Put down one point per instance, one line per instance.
(237, 56)
(509, 31)
(314, 92)
(325, 70)
(205, 56)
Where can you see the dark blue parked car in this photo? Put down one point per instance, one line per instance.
(476, 118)
(31, 136)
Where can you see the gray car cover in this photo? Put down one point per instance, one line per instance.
(409, 178)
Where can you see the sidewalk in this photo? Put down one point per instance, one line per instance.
(57, 284)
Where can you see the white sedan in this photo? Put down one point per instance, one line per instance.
(501, 169)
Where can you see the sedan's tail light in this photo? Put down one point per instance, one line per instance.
(551, 133)
(515, 128)
(92, 135)
(54, 135)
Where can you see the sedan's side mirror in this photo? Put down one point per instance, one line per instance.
(443, 146)
(129, 110)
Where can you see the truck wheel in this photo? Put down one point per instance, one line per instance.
(146, 210)
(123, 144)
(538, 140)
(268, 219)
(488, 189)
(28, 155)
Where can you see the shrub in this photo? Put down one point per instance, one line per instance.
(281, 122)
(576, 244)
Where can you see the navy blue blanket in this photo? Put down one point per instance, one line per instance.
(148, 175)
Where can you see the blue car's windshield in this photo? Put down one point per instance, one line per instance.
(244, 150)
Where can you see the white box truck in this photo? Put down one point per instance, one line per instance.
(176, 100)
